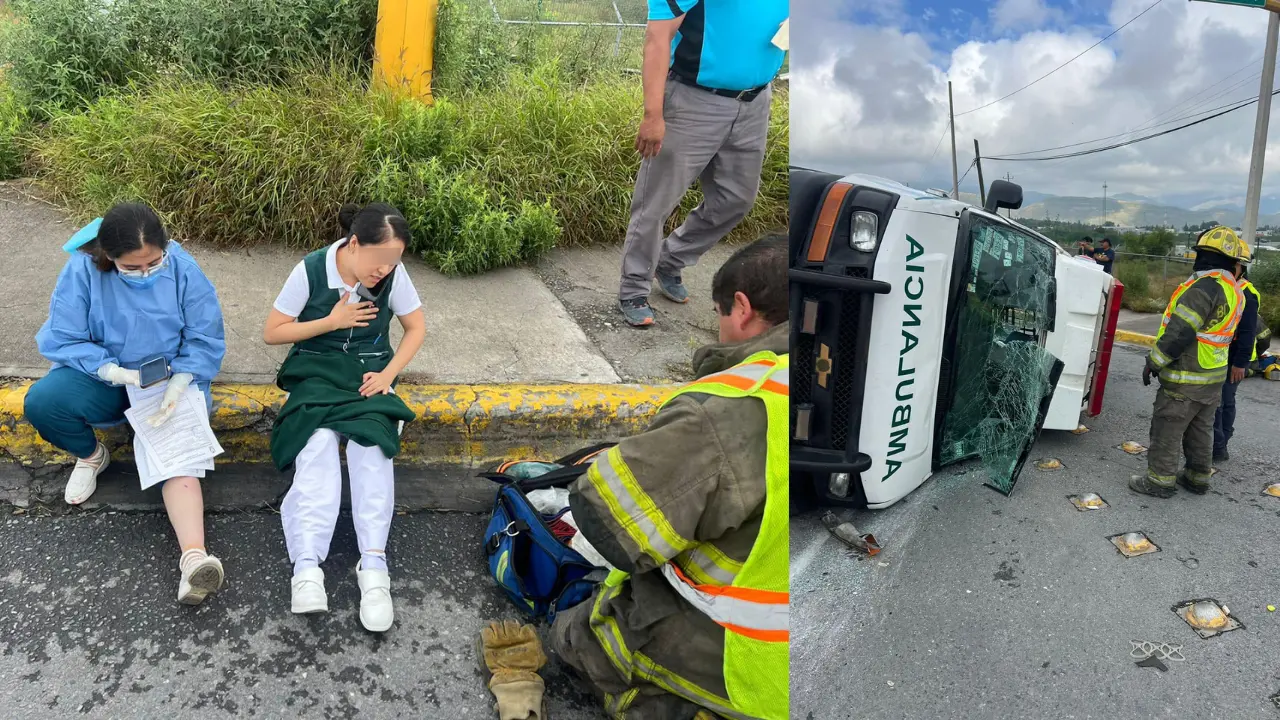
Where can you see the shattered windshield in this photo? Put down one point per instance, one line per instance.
(1003, 378)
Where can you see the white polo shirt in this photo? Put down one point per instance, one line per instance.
(297, 290)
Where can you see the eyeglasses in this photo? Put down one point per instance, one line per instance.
(146, 272)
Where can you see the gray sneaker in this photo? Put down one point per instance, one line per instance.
(673, 288)
(636, 312)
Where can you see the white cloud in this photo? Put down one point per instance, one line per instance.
(1023, 14)
(873, 98)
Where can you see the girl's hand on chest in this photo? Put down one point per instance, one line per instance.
(346, 315)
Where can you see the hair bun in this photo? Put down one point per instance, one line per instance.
(346, 215)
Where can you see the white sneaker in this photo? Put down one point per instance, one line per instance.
(84, 478)
(308, 592)
(376, 612)
(199, 580)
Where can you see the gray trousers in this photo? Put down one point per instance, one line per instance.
(1179, 423)
(716, 140)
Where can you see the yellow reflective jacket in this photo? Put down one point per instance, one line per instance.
(694, 512)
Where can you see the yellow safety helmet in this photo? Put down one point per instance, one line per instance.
(1224, 240)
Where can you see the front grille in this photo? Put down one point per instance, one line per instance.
(802, 369)
(846, 370)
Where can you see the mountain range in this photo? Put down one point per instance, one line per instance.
(1131, 210)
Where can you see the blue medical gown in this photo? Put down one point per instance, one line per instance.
(96, 318)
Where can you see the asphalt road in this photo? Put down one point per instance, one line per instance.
(89, 626)
(982, 606)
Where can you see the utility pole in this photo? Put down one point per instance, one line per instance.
(977, 160)
(955, 171)
(1104, 203)
(1254, 198)
(1009, 212)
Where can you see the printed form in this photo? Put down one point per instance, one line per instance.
(183, 446)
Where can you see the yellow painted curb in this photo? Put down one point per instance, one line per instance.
(471, 425)
(1134, 338)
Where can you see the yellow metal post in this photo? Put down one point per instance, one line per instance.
(403, 46)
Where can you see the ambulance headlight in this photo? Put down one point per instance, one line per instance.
(863, 231)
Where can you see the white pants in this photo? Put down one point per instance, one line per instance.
(310, 510)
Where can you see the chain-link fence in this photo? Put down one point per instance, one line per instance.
(1150, 279)
(624, 18)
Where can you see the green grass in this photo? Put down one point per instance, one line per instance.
(63, 54)
(491, 179)
(202, 110)
(15, 133)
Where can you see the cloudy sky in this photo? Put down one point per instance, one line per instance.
(869, 92)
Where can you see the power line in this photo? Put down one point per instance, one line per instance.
(1191, 110)
(1113, 146)
(940, 139)
(1237, 71)
(1033, 82)
(1127, 133)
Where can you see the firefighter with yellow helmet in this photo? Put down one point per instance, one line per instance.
(1191, 359)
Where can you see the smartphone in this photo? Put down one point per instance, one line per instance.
(372, 294)
(153, 372)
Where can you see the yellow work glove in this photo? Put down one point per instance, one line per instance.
(513, 653)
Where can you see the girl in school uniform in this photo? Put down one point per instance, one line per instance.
(336, 309)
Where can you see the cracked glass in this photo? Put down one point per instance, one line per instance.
(1004, 378)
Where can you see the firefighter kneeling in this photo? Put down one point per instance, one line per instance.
(1190, 358)
(694, 514)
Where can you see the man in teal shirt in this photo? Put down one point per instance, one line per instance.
(707, 74)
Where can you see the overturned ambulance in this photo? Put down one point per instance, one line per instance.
(927, 331)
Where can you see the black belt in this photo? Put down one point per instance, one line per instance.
(743, 95)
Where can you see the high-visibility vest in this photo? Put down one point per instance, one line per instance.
(754, 609)
(1248, 287)
(1213, 343)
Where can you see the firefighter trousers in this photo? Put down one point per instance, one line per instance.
(574, 643)
(1180, 424)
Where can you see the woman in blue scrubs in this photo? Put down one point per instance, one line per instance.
(128, 295)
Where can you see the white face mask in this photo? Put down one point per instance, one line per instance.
(146, 277)
(146, 272)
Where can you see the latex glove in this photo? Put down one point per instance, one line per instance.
(173, 393)
(117, 375)
(513, 653)
(1146, 374)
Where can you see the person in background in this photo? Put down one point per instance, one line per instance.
(707, 74)
(1243, 352)
(127, 295)
(694, 513)
(1190, 357)
(1086, 246)
(1104, 255)
(336, 309)
(1263, 360)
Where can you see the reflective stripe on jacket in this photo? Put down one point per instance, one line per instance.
(1210, 304)
(1248, 287)
(753, 605)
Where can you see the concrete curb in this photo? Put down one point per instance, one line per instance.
(459, 429)
(1134, 338)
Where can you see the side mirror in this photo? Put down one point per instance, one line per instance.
(1003, 194)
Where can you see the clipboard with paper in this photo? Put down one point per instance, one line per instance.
(184, 446)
